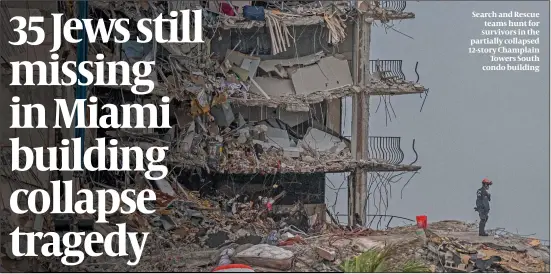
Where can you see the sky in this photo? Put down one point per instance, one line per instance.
(474, 123)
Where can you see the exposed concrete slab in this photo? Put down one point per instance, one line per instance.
(278, 136)
(265, 255)
(322, 141)
(273, 87)
(329, 74)
(278, 66)
(243, 61)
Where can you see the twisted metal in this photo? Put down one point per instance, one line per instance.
(417, 73)
(396, 6)
(388, 69)
(416, 155)
(426, 92)
(386, 148)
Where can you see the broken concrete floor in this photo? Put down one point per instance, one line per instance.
(325, 252)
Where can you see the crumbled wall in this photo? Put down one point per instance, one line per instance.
(310, 39)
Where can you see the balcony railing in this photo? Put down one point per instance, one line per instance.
(386, 148)
(389, 70)
(397, 6)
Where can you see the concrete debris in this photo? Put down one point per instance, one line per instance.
(165, 187)
(186, 235)
(292, 152)
(225, 256)
(240, 78)
(38, 223)
(243, 61)
(329, 74)
(197, 234)
(185, 78)
(167, 223)
(212, 132)
(265, 255)
(394, 87)
(273, 87)
(468, 252)
(260, 147)
(320, 141)
(250, 239)
(223, 114)
(326, 254)
(217, 239)
(278, 137)
(279, 66)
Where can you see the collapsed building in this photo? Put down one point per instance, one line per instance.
(260, 101)
(256, 110)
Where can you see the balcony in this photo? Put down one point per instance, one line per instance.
(387, 78)
(388, 150)
(396, 6)
(389, 10)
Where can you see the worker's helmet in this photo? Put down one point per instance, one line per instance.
(486, 181)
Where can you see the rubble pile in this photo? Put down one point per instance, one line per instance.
(243, 79)
(454, 246)
(220, 129)
(186, 233)
(260, 147)
(198, 76)
(449, 246)
(458, 255)
(227, 16)
(192, 234)
(227, 142)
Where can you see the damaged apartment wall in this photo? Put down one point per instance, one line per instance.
(317, 112)
(248, 134)
(305, 188)
(308, 40)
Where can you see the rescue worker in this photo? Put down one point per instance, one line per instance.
(483, 205)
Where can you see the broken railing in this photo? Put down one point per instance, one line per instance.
(390, 70)
(396, 6)
(387, 69)
(386, 148)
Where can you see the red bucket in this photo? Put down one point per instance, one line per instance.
(421, 221)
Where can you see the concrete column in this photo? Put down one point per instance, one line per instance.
(360, 121)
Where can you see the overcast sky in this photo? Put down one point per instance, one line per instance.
(474, 124)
